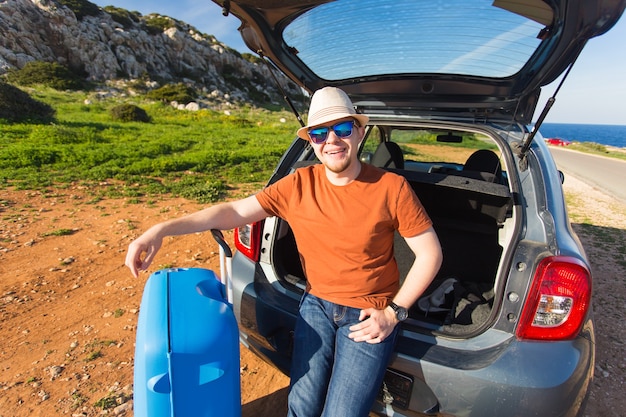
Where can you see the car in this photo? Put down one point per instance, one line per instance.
(450, 88)
(558, 142)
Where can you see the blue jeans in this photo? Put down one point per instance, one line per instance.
(331, 375)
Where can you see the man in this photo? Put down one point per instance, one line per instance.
(343, 214)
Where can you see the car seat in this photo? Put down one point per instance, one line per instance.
(388, 155)
(483, 165)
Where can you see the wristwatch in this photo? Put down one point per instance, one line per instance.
(401, 312)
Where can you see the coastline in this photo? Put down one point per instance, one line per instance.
(613, 137)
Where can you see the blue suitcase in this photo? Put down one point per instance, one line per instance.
(187, 346)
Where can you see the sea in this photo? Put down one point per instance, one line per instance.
(611, 135)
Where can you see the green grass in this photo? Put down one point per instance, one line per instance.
(107, 402)
(597, 149)
(199, 155)
(92, 356)
(59, 232)
(204, 155)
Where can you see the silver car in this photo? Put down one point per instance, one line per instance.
(506, 328)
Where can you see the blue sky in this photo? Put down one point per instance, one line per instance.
(594, 93)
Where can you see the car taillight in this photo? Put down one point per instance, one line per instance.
(248, 240)
(558, 300)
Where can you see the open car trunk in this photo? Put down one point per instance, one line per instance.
(471, 208)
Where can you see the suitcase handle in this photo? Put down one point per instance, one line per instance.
(219, 238)
(226, 258)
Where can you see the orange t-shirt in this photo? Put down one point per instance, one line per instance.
(345, 233)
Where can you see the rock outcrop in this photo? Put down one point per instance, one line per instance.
(126, 45)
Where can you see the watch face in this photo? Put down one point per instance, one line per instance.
(401, 312)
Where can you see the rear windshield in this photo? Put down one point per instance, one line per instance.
(355, 38)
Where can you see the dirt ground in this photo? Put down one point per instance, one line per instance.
(69, 307)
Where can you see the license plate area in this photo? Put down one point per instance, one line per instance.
(397, 387)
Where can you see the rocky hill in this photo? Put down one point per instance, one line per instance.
(111, 43)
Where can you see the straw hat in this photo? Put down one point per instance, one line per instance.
(329, 104)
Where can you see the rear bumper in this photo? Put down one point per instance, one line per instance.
(513, 379)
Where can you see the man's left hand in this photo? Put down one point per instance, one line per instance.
(375, 325)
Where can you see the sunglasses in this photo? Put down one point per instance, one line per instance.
(319, 135)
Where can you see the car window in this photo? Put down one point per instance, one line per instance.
(435, 151)
(351, 38)
(428, 145)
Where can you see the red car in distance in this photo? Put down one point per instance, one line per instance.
(558, 142)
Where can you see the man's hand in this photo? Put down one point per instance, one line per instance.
(375, 325)
(146, 243)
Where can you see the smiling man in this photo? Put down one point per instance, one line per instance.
(343, 214)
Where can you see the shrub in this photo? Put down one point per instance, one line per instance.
(33, 156)
(202, 190)
(129, 113)
(62, 134)
(81, 8)
(156, 24)
(17, 106)
(255, 59)
(173, 92)
(49, 74)
(123, 16)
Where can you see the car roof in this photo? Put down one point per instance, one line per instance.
(473, 59)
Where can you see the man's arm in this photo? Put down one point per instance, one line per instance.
(376, 325)
(222, 216)
(428, 258)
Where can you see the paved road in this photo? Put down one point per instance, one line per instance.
(607, 174)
